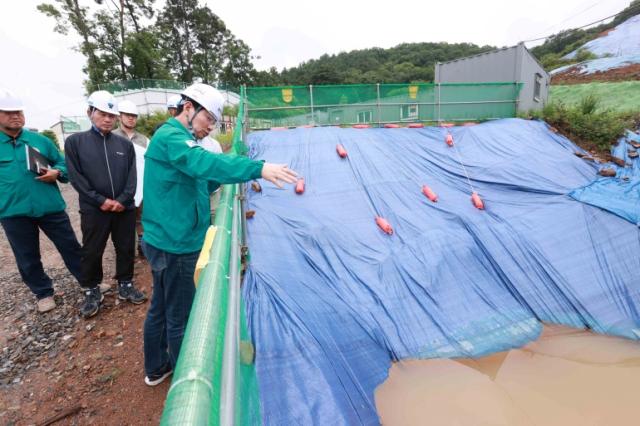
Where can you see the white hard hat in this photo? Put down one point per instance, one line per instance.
(104, 101)
(173, 101)
(128, 107)
(208, 97)
(9, 102)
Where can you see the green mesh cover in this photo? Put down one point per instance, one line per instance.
(378, 104)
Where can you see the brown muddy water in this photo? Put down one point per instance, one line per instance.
(566, 377)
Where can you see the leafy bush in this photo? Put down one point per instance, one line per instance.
(587, 124)
(148, 122)
(603, 129)
(230, 110)
(584, 55)
(225, 139)
(551, 61)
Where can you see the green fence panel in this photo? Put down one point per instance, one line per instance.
(378, 104)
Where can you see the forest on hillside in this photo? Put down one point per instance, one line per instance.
(405, 63)
(183, 40)
(414, 62)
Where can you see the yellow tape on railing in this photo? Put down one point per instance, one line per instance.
(203, 259)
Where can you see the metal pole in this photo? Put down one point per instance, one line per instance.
(231, 336)
(434, 100)
(439, 85)
(243, 187)
(245, 111)
(313, 119)
(378, 101)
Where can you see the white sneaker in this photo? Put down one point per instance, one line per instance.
(104, 288)
(46, 304)
(156, 379)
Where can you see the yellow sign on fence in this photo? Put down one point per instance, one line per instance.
(413, 92)
(287, 95)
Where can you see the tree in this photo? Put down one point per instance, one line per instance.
(209, 54)
(239, 69)
(108, 36)
(198, 46)
(52, 136)
(145, 58)
(267, 78)
(177, 38)
(115, 26)
(104, 34)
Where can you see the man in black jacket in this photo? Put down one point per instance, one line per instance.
(102, 168)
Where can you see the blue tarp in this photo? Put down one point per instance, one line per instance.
(593, 66)
(621, 40)
(620, 195)
(332, 300)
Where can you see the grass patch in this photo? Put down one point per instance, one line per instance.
(623, 96)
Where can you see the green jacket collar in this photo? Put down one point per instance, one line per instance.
(6, 138)
(178, 125)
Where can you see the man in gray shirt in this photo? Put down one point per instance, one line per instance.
(128, 120)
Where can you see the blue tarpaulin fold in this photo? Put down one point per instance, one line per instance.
(620, 195)
(332, 300)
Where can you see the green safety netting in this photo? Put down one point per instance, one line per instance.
(379, 103)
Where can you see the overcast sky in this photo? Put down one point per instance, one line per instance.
(40, 66)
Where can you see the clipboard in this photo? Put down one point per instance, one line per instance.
(36, 162)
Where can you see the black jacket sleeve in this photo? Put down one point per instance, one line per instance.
(77, 180)
(126, 196)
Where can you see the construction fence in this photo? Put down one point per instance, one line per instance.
(379, 104)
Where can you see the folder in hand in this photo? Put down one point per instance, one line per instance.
(36, 162)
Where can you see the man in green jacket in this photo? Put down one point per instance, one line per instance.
(30, 202)
(178, 178)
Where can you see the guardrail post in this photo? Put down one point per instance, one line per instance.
(438, 102)
(378, 101)
(313, 119)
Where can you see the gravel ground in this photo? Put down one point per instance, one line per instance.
(28, 339)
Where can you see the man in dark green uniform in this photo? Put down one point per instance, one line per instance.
(30, 202)
(179, 176)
